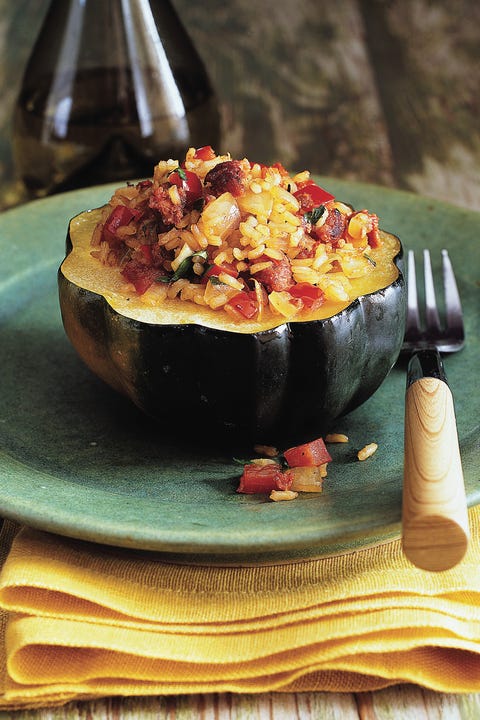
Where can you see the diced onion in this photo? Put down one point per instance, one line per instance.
(220, 217)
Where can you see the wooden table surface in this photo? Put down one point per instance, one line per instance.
(365, 90)
(397, 703)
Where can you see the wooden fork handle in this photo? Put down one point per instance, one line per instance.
(434, 514)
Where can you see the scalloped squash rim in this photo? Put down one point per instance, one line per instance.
(88, 273)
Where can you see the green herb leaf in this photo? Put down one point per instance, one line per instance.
(200, 254)
(214, 280)
(183, 269)
(370, 260)
(315, 215)
(187, 264)
(180, 172)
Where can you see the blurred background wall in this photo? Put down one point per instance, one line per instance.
(381, 91)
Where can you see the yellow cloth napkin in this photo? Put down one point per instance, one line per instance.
(81, 621)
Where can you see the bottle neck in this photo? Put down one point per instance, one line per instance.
(111, 86)
(106, 33)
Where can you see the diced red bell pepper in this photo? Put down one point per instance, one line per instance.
(312, 296)
(217, 269)
(310, 195)
(205, 153)
(307, 455)
(373, 236)
(263, 479)
(245, 302)
(190, 182)
(140, 275)
(120, 215)
(147, 253)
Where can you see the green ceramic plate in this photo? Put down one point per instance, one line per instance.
(78, 460)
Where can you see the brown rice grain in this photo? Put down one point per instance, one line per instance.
(280, 495)
(336, 438)
(367, 451)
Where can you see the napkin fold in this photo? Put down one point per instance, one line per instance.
(81, 621)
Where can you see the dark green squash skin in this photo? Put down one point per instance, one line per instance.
(282, 386)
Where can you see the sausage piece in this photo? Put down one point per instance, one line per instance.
(278, 277)
(333, 229)
(225, 177)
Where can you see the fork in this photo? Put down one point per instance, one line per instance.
(435, 531)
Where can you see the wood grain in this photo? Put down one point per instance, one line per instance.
(434, 512)
(399, 702)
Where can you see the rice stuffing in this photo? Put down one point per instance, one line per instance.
(242, 238)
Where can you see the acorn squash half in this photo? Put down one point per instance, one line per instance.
(198, 373)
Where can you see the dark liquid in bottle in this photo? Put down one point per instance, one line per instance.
(97, 127)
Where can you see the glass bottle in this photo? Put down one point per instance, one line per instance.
(111, 88)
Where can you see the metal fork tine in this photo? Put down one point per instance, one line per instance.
(413, 317)
(453, 307)
(448, 336)
(432, 318)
